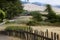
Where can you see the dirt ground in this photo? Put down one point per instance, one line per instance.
(15, 38)
(4, 37)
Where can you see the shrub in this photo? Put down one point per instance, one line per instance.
(36, 16)
(31, 23)
(16, 28)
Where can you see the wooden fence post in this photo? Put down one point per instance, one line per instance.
(57, 36)
(36, 37)
(43, 35)
(39, 34)
(47, 33)
(7, 33)
(26, 36)
(30, 34)
(13, 33)
(54, 36)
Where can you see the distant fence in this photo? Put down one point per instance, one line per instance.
(36, 35)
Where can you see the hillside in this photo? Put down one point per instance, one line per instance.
(33, 7)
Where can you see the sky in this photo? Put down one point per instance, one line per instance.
(52, 2)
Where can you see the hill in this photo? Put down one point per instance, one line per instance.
(33, 7)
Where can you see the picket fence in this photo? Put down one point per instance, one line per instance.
(32, 35)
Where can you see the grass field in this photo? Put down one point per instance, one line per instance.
(54, 29)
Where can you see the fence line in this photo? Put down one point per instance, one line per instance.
(32, 36)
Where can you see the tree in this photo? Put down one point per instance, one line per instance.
(2, 15)
(11, 7)
(51, 14)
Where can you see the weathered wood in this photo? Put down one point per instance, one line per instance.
(54, 36)
(57, 36)
(35, 37)
(29, 35)
(43, 35)
(47, 33)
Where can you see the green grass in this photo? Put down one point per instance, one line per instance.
(18, 28)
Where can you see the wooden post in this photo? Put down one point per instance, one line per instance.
(54, 36)
(26, 36)
(47, 33)
(13, 33)
(36, 37)
(57, 36)
(43, 35)
(31, 36)
(7, 33)
(16, 33)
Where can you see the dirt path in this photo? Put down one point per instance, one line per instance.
(4, 37)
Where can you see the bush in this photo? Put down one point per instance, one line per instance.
(31, 23)
(36, 16)
(16, 28)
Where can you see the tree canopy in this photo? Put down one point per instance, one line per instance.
(2, 15)
(1, 11)
(11, 7)
(51, 14)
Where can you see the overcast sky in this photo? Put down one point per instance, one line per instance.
(52, 2)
